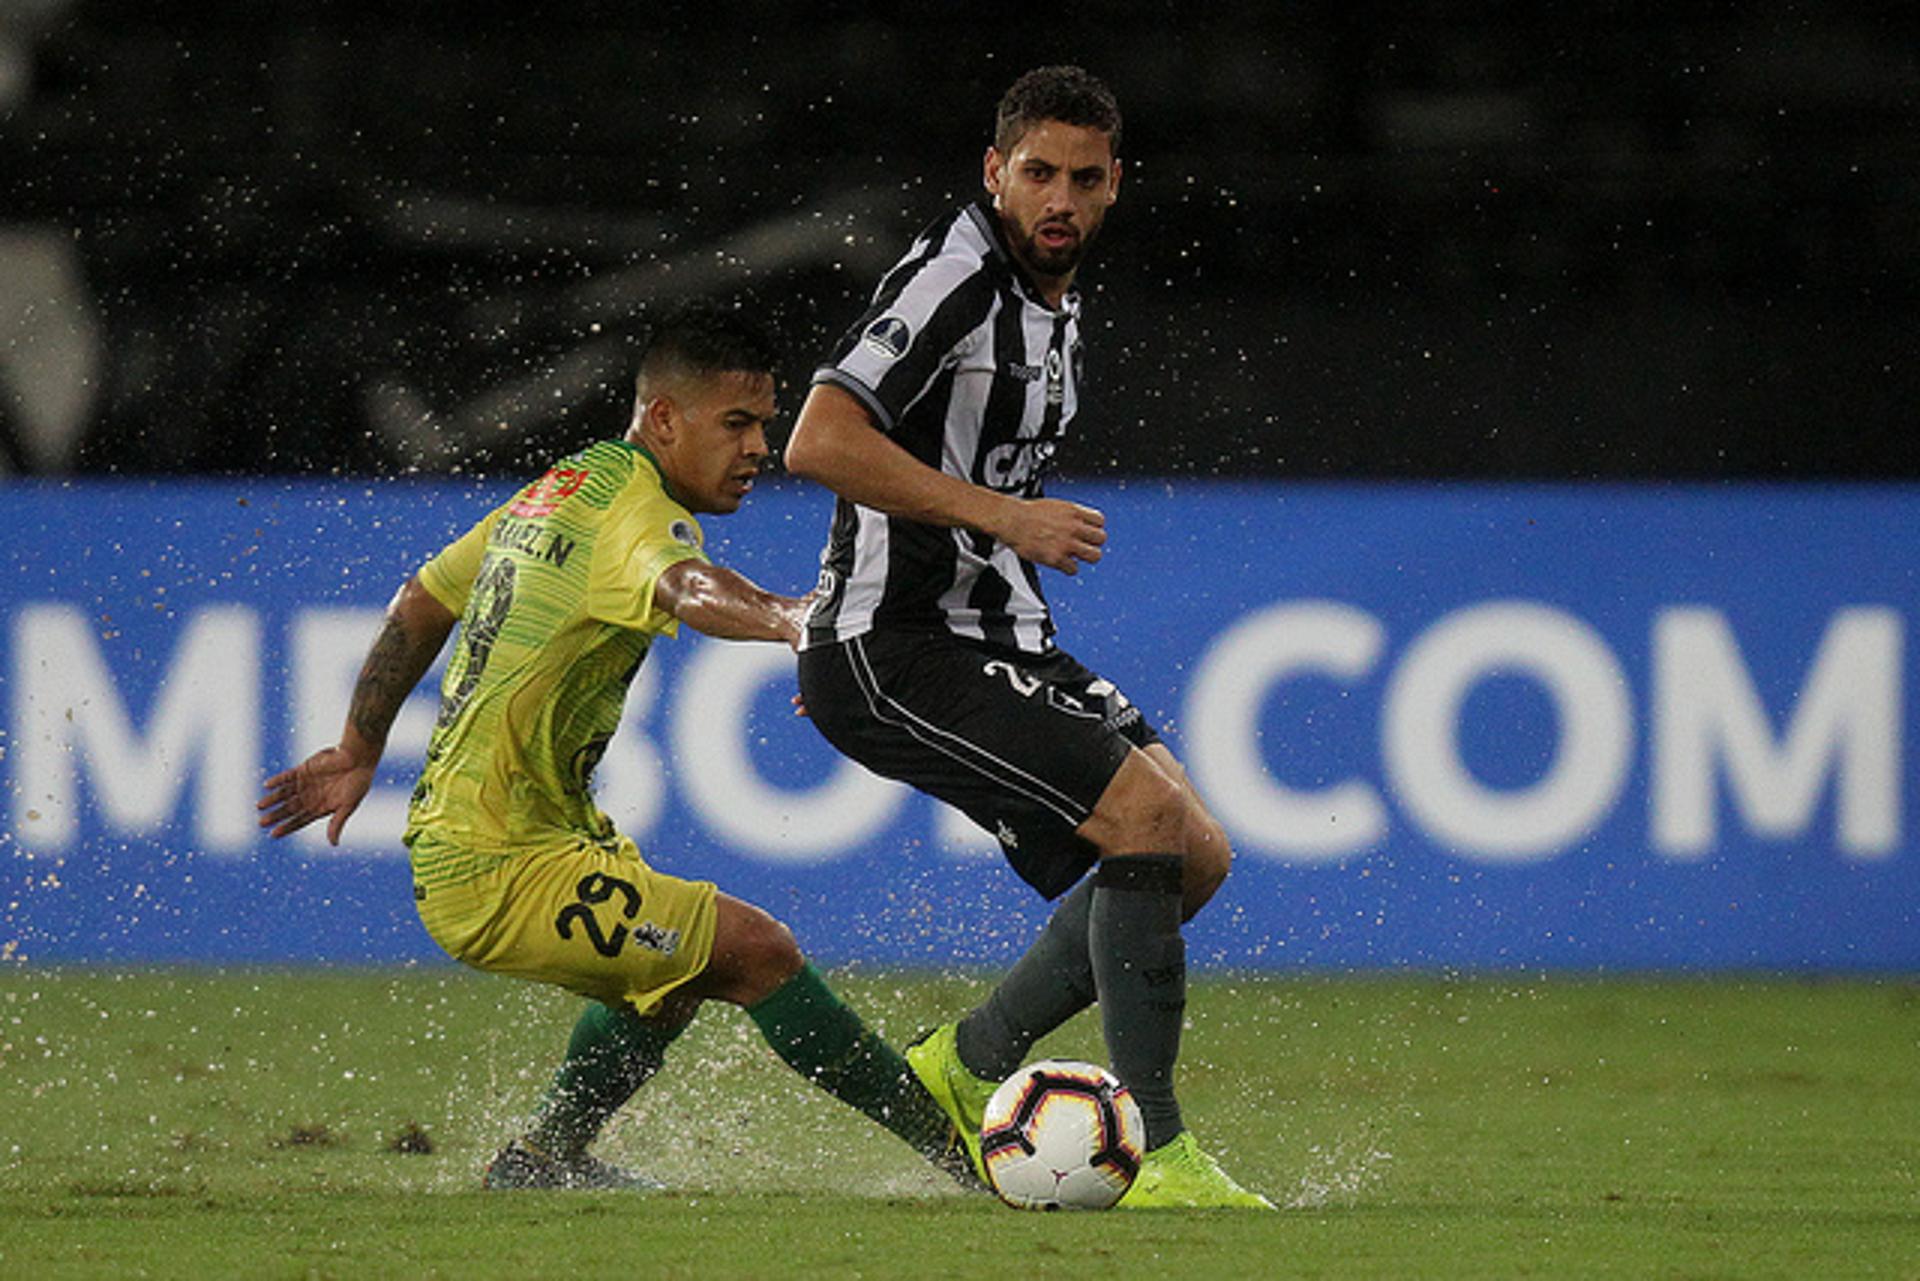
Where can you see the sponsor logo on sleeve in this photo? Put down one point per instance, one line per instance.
(888, 337)
(682, 531)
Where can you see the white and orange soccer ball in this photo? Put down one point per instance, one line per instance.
(1059, 1135)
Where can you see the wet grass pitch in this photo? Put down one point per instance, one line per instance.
(333, 1123)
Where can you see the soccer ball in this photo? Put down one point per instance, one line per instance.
(1059, 1135)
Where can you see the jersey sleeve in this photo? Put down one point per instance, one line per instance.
(448, 577)
(925, 314)
(640, 542)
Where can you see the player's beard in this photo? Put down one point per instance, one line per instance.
(1054, 263)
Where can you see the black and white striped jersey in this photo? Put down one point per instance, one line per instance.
(960, 361)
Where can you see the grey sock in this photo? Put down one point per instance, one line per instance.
(1047, 986)
(1140, 972)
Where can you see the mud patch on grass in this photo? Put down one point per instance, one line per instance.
(411, 1139)
(308, 1136)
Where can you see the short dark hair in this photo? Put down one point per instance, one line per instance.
(1067, 94)
(703, 337)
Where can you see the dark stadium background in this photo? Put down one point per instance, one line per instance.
(1355, 240)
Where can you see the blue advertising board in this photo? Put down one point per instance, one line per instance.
(1463, 726)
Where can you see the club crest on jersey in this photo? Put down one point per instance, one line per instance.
(1056, 378)
(887, 337)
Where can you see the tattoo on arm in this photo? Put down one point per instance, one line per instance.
(391, 671)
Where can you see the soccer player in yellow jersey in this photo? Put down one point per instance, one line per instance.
(559, 593)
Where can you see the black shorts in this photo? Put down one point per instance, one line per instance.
(1022, 744)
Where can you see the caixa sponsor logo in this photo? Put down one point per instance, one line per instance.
(178, 755)
(1015, 465)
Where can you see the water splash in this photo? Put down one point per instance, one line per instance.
(1339, 1174)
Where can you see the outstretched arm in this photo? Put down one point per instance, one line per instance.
(835, 443)
(728, 605)
(332, 782)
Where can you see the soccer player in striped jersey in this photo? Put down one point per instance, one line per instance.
(559, 594)
(929, 651)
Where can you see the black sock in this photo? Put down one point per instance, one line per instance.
(1140, 973)
(1049, 984)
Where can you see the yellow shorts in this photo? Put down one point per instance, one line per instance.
(593, 920)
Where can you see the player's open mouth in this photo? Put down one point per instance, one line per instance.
(1056, 235)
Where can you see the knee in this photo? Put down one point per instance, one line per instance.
(753, 954)
(1153, 811)
(770, 953)
(1144, 811)
(771, 946)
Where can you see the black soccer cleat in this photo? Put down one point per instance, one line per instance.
(521, 1167)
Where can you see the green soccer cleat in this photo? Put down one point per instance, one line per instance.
(1179, 1176)
(521, 1167)
(935, 1059)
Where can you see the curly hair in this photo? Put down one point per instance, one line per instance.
(1067, 94)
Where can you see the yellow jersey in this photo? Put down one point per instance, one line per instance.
(554, 590)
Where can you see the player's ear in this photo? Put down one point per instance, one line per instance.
(661, 418)
(992, 169)
(1113, 182)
